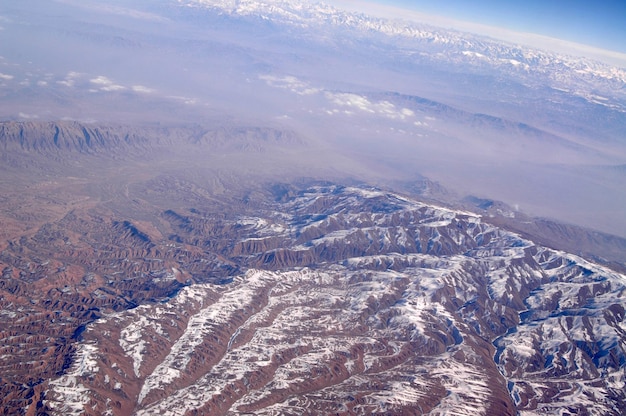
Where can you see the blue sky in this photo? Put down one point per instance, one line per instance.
(597, 23)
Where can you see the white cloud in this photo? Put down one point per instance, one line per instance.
(70, 78)
(186, 100)
(359, 102)
(106, 84)
(101, 80)
(142, 89)
(99, 83)
(290, 83)
(351, 100)
(407, 113)
(28, 116)
(113, 87)
(351, 103)
(86, 120)
(5, 76)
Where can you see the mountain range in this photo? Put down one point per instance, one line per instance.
(135, 290)
(288, 207)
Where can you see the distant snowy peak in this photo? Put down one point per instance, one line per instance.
(305, 14)
(562, 70)
(309, 13)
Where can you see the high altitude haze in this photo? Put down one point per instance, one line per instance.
(541, 130)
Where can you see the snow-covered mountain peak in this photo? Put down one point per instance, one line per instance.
(560, 70)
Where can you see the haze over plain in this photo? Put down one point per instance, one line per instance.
(390, 100)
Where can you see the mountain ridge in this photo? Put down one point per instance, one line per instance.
(269, 222)
(356, 266)
(60, 140)
(72, 136)
(303, 13)
(112, 243)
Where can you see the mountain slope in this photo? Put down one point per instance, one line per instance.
(400, 306)
(219, 235)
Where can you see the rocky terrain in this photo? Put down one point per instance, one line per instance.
(359, 301)
(146, 272)
(78, 240)
(261, 207)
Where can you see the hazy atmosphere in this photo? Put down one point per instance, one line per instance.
(544, 133)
